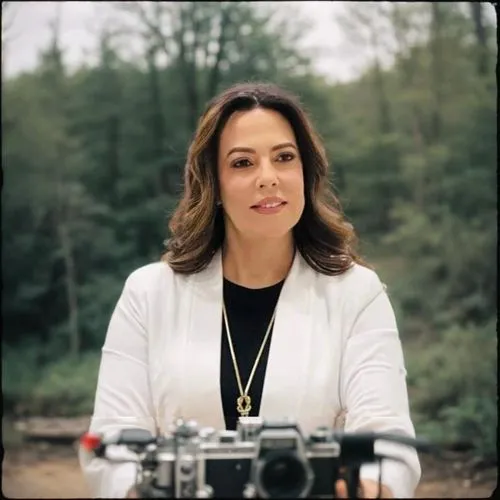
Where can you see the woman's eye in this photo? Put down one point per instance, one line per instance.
(243, 162)
(286, 156)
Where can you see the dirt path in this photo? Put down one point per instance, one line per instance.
(56, 477)
(38, 471)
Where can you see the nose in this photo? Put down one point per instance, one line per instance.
(267, 176)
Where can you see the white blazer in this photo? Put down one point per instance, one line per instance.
(335, 352)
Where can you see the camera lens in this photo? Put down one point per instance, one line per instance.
(283, 475)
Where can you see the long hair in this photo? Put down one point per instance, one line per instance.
(322, 235)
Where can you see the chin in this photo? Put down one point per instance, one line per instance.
(269, 231)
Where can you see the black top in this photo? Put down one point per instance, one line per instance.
(249, 312)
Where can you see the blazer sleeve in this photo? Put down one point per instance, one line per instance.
(374, 391)
(123, 398)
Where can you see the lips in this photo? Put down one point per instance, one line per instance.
(269, 203)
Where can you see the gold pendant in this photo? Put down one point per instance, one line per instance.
(244, 405)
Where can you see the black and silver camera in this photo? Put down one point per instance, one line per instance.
(258, 460)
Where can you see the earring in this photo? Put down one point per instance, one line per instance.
(218, 203)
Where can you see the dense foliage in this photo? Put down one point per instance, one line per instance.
(92, 162)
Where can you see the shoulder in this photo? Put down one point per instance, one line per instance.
(153, 276)
(358, 279)
(352, 290)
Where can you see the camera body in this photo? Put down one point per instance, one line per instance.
(258, 460)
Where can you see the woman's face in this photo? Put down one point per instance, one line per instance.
(260, 174)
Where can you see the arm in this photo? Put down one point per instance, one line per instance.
(374, 392)
(123, 398)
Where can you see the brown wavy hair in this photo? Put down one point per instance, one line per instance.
(324, 238)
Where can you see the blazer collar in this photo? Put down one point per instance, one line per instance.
(289, 356)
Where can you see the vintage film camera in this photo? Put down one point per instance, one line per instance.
(258, 460)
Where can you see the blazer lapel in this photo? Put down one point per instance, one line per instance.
(288, 366)
(200, 393)
(290, 355)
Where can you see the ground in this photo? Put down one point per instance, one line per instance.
(52, 471)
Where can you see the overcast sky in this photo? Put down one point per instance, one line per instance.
(30, 31)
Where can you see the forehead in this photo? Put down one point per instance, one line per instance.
(256, 127)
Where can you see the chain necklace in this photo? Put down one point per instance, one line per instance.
(244, 401)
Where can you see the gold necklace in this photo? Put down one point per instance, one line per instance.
(244, 401)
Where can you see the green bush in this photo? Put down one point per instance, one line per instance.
(454, 388)
(67, 387)
(62, 388)
(20, 373)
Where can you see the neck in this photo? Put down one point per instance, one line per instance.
(257, 264)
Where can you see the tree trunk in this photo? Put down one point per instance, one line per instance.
(384, 114)
(71, 287)
(187, 63)
(215, 70)
(481, 37)
(113, 156)
(437, 70)
(406, 76)
(158, 127)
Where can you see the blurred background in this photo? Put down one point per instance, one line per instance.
(99, 103)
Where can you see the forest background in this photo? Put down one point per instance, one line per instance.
(92, 161)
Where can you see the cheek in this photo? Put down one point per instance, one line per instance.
(293, 185)
(237, 194)
(233, 187)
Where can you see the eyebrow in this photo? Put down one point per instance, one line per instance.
(250, 150)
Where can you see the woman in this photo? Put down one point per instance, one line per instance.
(260, 305)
